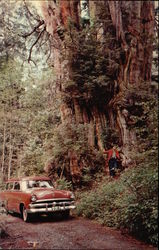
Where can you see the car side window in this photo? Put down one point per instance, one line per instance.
(9, 186)
(16, 186)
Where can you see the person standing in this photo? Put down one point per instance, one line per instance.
(113, 157)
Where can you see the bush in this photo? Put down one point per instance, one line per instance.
(130, 203)
(63, 184)
(68, 140)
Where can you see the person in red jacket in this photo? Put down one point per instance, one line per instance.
(113, 156)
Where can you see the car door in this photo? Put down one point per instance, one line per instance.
(16, 196)
(3, 194)
(8, 195)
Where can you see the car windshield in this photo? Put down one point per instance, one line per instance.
(39, 184)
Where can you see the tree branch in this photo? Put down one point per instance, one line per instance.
(35, 28)
(30, 52)
(32, 15)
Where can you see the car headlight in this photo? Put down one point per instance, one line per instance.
(33, 198)
(72, 196)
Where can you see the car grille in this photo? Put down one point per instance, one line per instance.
(52, 203)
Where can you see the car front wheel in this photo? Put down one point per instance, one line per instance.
(25, 215)
(5, 205)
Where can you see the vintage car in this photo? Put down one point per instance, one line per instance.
(34, 195)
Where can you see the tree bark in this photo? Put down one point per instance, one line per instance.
(4, 145)
(133, 22)
(10, 151)
(138, 54)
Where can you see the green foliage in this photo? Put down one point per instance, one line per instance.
(10, 87)
(40, 113)
(86, 175)
(93, 62)
(68, 139)
(143, 111)
(12, 131)
(130, 203)
(27, 114)
(64, 184)
(30, 121)
(139, 203)
(15, 22)
(110, 137)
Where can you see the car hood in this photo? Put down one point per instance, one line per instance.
(50, 193)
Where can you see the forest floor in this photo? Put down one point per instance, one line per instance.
(57, 233)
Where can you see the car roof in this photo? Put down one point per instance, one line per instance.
(29, 178)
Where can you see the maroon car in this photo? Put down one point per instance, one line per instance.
(31, 195)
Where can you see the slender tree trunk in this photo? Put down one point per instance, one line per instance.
(19, 163)
(4, 145)
(10, 151)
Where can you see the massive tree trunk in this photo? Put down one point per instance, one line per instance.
(133, 22)
(135, 32)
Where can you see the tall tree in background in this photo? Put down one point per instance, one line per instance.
(11, 128)
(101, 52)
(18, 82)
(98, 62)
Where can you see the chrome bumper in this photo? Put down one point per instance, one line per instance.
(54, 207)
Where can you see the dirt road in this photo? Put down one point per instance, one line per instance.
(57, 233)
